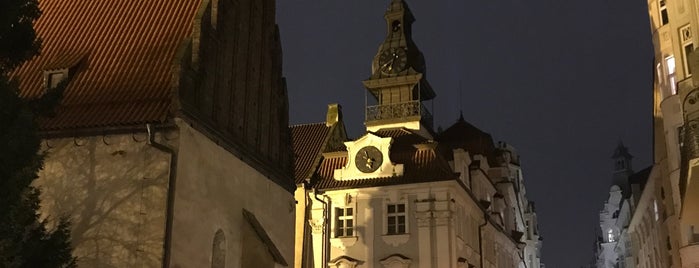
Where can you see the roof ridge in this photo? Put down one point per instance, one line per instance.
(306, 124)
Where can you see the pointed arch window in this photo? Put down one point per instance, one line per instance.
(218, 250)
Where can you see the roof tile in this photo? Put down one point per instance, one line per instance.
(124, 50)
(308, 142)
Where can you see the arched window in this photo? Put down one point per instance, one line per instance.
(218, 250)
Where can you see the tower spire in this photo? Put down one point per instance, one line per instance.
(622, 167)
(397, 81)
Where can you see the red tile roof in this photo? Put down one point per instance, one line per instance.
(308, 142)
(122, 54)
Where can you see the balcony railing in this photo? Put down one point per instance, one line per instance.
(401, 110)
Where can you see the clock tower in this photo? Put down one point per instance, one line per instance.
(397, 83)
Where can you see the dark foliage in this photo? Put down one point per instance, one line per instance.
(25, 239)
(18, 41)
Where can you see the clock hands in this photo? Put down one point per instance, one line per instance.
(369, 160)
(388, 66)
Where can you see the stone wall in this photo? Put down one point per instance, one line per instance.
(231, 83)
(213, 188)
(113, 188)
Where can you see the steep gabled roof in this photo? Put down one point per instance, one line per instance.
(119, 54)
(308, 142)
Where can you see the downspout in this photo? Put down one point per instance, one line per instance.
(170, 193)
(326, 233)
(480, 236)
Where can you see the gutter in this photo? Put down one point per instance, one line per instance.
(326, 233)
(167, 243)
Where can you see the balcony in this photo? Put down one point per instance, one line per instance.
(398, 112)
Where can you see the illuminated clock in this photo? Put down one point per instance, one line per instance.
(393, 60)
(368, 159)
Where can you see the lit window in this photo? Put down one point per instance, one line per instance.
(345, 222)
(664, 19)
(687, 47)
(655, 209)
(396, 219)
(53, 78)
(670, 64)
(610, 235)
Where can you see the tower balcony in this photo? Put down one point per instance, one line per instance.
(395, 113)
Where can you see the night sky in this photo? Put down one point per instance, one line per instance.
(562, 81)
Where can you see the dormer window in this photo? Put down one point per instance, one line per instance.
(62, 67)
(53, 78)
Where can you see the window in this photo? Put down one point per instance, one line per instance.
(664, 19)
(218, 250)
(670, 64)
(395, 219)
(345, 222)
(460, 223)
(687, 47)
(610, 235)
(53, 78)
(655, 210)
(662, 190)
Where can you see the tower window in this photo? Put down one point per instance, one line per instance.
(664, 19)
(395, 25)
(687, 47)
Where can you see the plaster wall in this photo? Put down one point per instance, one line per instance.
(113, 188)
(213, 187)
(432, 239)
(647, 233)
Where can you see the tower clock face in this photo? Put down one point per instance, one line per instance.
(392, 60)
(368, 159)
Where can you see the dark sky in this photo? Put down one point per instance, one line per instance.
(562, 81)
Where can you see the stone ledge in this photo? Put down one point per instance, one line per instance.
(343, 242)
(395, 240)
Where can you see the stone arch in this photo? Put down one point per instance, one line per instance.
(218, 250)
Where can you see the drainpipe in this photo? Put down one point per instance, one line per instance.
(326, 233)
(480, 235)
(167, 243)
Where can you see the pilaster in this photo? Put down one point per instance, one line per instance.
(423, 216)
